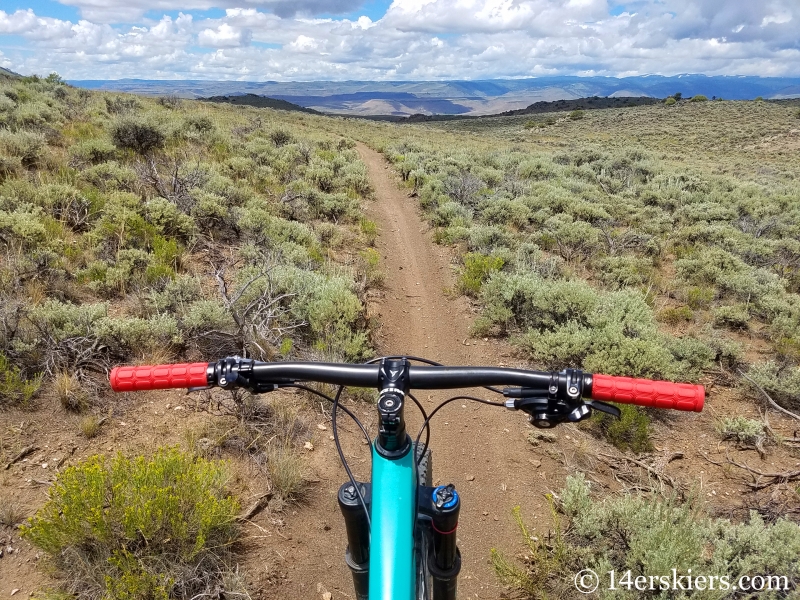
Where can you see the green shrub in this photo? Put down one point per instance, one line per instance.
(699, 98)
(572, 239)
(23, 228)
(202, 316)
(25, 145)
(169, 220)
(670, 101)
(280, 137)
(532, 124)
(10, 167)
(61, 320)
(117, 105)
(742, 430)
(626, 270)
(137, 134)
(477, 269)
(155, 527)
(16, 390)
(699, 297)
(675, 314)
(122, 224)
(110, 177)
(568, 324)
(576, 115)
(781, 382)
(657, 536)
(544, 562)
(536, 170)
(369, 229)
(630, 432)
(128, 336)
(662, 535)
(735, 317)
(502, 211)
(329, 307)
(92, 152)
(170, 101)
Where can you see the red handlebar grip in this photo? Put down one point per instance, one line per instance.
(159, 377)
(644, 392)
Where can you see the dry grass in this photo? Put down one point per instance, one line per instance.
(70, 393)
(287, 470)
(89, 426)
(11, 514)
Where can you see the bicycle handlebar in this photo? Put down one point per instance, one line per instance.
(642, 392)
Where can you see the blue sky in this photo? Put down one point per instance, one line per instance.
(397, 39)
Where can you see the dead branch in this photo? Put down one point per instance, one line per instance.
(767, 396)
(176, 185)
(757, 484)
(256, 507)
(657, 473)
(263, 317)
(22, 454)
(774, 477)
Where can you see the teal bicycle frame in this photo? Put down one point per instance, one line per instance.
(392, 561)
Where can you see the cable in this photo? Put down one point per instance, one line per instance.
(426, 427)
(344, 460)
(448, 401)
(329, 399)
(336, 441)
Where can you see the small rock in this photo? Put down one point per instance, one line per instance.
(485, 513)
(327, 596)
(178, 408)
(14, 591)
(496, 518)
(168, 405)
(330, 437)
(470, 477)
(308, 446)
(536, 463)
(321, 427)
(44, 465)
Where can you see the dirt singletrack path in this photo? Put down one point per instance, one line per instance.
(481, 449)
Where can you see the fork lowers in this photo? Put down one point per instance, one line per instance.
(444, 563)
(355, 522)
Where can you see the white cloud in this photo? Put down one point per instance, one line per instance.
(225, 36)
(416, 39)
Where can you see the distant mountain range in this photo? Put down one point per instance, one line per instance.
(405, 98)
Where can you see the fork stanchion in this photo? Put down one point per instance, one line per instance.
(355, 522)
(445, 562)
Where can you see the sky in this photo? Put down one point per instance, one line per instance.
(307, 40)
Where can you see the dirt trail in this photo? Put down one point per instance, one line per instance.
(481, 449)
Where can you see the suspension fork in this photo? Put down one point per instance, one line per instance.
(442, 505)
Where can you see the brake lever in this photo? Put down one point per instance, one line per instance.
(604, 407)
